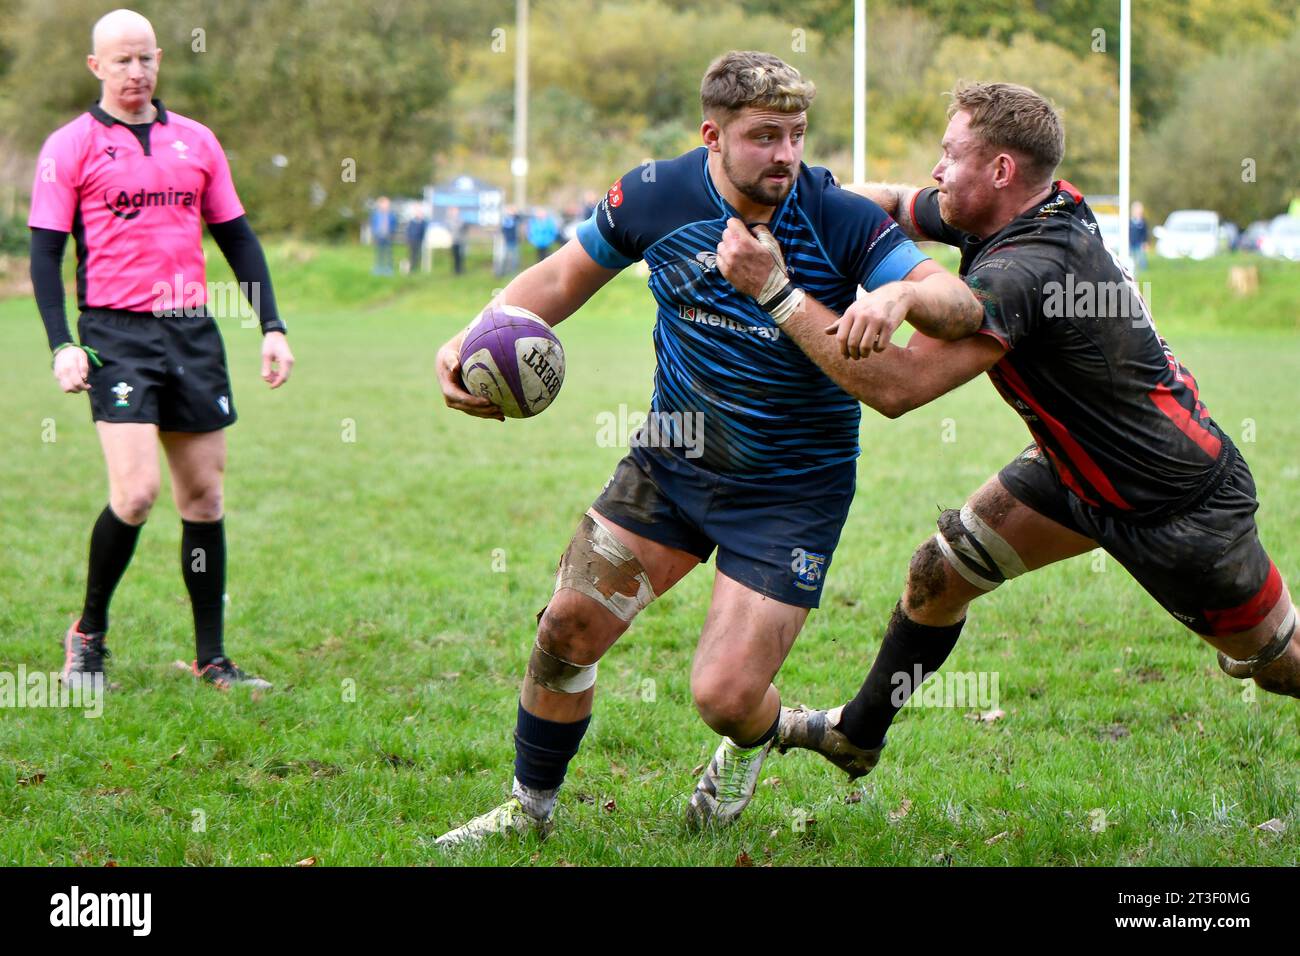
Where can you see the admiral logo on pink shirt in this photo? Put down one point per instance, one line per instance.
(129, 205)
(137, 215)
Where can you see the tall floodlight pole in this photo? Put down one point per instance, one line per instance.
(519, 163)
(859, 91)
(1125, 29)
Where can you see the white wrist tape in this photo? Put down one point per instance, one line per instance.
(788, 307)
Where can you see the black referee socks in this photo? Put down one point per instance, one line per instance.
(112, 542)
(907, 646)
(203, 565)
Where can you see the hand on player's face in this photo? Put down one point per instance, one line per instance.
(869, 323)
(277, 360)
(453, 391)
(72, 370)
(743, 261)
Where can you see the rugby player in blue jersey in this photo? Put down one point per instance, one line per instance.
(770, 483)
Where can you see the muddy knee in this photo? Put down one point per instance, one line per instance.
(982, 557)
(927, 577)
(573, 629)
(599, 587)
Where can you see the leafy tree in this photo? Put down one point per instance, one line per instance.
(1229, 141)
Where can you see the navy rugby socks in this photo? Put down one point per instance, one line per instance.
(543, 749)
(907, 646)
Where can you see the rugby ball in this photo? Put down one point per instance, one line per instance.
(513, 359)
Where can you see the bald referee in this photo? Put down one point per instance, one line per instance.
(133, 184)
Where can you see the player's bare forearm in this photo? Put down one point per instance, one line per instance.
(943, 306)
(895, 199)
(880, 382)
(897, 379)
(557, 286)
(935, 302)
(553, 289)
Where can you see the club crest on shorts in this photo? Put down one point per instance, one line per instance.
(808, 568)
(123, 392)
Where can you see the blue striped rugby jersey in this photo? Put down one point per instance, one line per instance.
(767, 410)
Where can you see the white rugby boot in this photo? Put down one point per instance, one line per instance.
(509, 819)
(727, 785)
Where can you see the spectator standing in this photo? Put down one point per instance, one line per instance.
(1139, 236)
(542, 232)
(415, 231)
(382, 226)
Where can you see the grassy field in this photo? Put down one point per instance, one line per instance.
(388, 586)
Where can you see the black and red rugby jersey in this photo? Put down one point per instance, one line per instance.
(1102, 393)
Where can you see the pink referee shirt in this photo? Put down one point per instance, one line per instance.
(134, 212)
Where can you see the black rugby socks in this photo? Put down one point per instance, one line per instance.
(112, 542)
(203, 565)
(908, 648)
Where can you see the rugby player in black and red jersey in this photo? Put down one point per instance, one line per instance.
(1125, 455)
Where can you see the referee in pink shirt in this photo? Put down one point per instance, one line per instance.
(133, 184)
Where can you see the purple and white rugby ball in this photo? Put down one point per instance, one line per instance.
(513, 359)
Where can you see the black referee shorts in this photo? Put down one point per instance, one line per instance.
(168, 371)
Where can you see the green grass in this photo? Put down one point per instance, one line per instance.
(369, 565)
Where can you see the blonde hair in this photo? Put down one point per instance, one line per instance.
(1007, 116)
(744, 78)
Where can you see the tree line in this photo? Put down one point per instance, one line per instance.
(324, 104)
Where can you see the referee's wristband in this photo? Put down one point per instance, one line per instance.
(91, 354)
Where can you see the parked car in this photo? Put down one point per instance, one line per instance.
(1189, 233)
(1252, 236)
(1282, 241)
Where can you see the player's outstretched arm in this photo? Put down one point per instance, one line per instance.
(935, 302)
(553, 289)
(896, 201)
(894, 382)
(899, 379)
